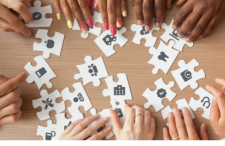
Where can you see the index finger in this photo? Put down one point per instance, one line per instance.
(115, 121)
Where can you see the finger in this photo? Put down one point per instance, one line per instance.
(5, 26)
(11, 118)
(118, 14)
(139, 118)
(138, 10)
(10, 98)
(169, 4)
(58, 9)
(102, 5)
(11, 109)
(115, 121)
(12, 84)
(221, 82)
(181, 2)
(172, 126)
(159, 11)
(152, 128)
(133, 3)
(70, 128)
(3, 79)
(130, 116)
(148, 14)
(67, 13)
(212, 24)
(203, 132)
(166, 135)
(101, 134)
(86, 11)
(147, 120)
(124, 8)
(111, 16)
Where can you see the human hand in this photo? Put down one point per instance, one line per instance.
(138, 125)
(10, 101)
(112, 12)
(80, 129)
(217, 112)
(78, 8)
(182, 127)
(197, 18)
(9, 21)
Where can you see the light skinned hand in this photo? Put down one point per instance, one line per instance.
(184, 128)
(82, 130)
(138, 124)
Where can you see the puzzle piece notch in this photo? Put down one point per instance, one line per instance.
(49, 132)
(49, 45)
(48, 103)
(204, 102)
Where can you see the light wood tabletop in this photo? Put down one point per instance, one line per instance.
(16, 51)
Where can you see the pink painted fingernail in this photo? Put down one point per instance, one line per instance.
(89, 22)
(95, 4)
(118, 24)
(83, 28)
(113, 31)
(89, 3)
(106, 25)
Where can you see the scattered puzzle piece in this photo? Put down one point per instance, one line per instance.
(41, 73)
(49, 132)
(155, 97)
(106, 41)
(92, 71)
(186, 75)
(163, 57)
(172, 34)
(49, 45)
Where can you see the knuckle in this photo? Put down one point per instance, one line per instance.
(81, 125)
(15, 20)
(138, 2)
(19, 7)
(219, 94)
(146, 8)
(111, 9)
(82, 4)
(188, 22)
(95, 137)
(103, 8)
(132, 111)
(74, 8)
(89, 131)
(63, 3)
(199, 27)
(13, 96)
(158, 7)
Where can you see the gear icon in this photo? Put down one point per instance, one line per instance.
(161, 93)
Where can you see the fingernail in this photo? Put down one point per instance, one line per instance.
(164, 130)
(174, 27)
(58, 16)
(201, 37)
(109, 127)
(118, 23)
(69, 23)
(124, 14)
(95, 4)
(105, 119)
(174, 110)
(157, 24)
(89, 3)
(26, 75)
(83, 28)
(106, 25)
(113, 31)
(147, 28)
(139, 22)
(188, 40)
(89, 22)
(97, 116)
(29, 34)
(217, 79)
(169, 115)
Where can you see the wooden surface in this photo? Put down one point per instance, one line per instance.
(16, 51)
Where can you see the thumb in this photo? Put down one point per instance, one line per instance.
(203, 132)
(115, 121)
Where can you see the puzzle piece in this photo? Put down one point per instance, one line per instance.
(78, 98)
(38, 13)
(142, 33)
(118, 91)
(186, 75)
(92, 71)
(48, 103)
(94, 30)
(204, 102)
(155, 97)
(49, 45)
(172, 34)
(41, 73)
(106, 41)
(163, 57)
(49, 132)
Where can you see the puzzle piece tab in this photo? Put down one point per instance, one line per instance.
(163, 57)
(41, 73)
(92, 71)
(155, 97)
(106, 41)
(186, 75)
(49, 45)
(49, 132)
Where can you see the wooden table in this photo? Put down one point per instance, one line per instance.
(16, 51)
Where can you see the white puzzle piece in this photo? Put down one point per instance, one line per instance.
(49, 45)
(142, 33)
(92, 71)
(48, 103)
(204, 102)
(118, 91)
(94, 30)
(77, 98)
(163, 57)
(106, 41)
(155, 97)
(49, 132)
(186, 74)
(41, 73)
(172, 34)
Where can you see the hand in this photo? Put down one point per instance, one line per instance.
(183, 129)
(9, 21)
(112, 12)
(10, 101)
(80, 130)
(78, 8)
(138, 125)
(217, 113)
(197, 18)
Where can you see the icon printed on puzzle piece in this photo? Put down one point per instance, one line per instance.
(181, 113)
(41, 72)
(48, 103)
(206, 101)
(50, 44)
(143, 31)
(108, 39)
(186, 75)
(93, 70)
(163, 56)
(50, 135)
(37, 16)
(174, 34)
(119, 90)
(66, 126)
(79, 97)
(101, 128)
(119, 112)
(88, 27)
(161, 93)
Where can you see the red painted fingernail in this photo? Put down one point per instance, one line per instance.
(106, 25)
(113, 31)
(89, 22)
(83, 28)
(95, 4)
(118, 24)
(89, 3)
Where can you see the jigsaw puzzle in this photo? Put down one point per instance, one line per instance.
(49, 132)
(155, 97)
(49, 45)
(41, 73)
(118, 91)
(163, 57)
(204, 102)
(94, 30)
(172, 34)
(186, 75)
(142, 33)
(106, 41)
(48, 103)
(78, 98)
(92, 71)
